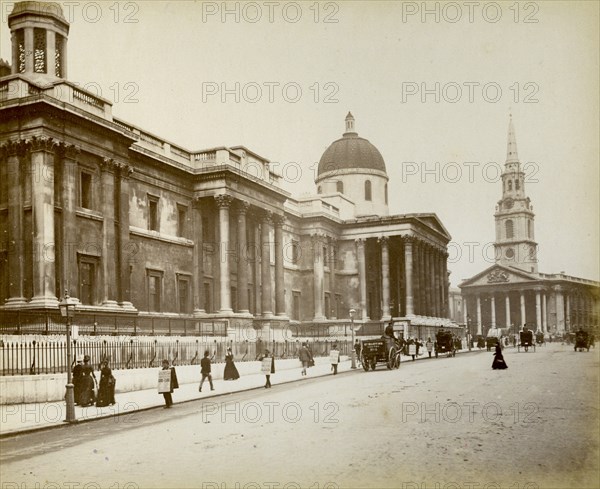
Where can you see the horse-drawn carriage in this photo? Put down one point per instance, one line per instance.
(539, 338)
(444, 343)
(582, 340)
(381, 350)
(526, 340)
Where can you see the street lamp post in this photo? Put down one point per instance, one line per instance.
(67, 310)
(352, 312)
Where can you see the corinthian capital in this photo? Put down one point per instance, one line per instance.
(223, 200)
(43, 143)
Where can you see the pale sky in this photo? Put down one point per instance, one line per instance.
(161, 71)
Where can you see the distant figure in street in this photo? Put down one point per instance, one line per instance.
(106, 389)
(88, 382)
(335, 359)
(266, 369)
(205, 371)
(357, 349)
(429, 346)
(174, 384)
(304, 357)
(230, 372)
(77, 377)
(498, 363)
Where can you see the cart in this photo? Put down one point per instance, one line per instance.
(382, 350)
(444, 343)
(582, 340)
(526, 340)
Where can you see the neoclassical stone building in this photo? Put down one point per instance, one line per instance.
(512, 292)
(142, 231)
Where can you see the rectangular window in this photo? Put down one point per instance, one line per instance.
(154, 280)
(87, 280)
(183, 294)
(85, 190)
(296, 306)
(152, 213)
(181, 220)
(325, 257)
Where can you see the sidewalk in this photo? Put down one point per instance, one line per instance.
(23, 418)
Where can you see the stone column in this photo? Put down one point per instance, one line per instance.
(42, 197)
(243, 250)
(266, 302)
(560, 309)
(385, 277)
(29, 49)
(544, 313)
(68, 255)
(126, 250)
(319, 276)
(223, 203)
(437, 282)
(362, 276)
(465, 311)
(50, 52)
(332, 267)
(279, 279)
(427, 281)
(568, 315)
(422, 283)
(479, 332)
(109, 264)
(198, 258)
(507, 309)
(408, 274)
(493, 310)
(445, 285)
(538, 311)
(15, 153)
(523, 311)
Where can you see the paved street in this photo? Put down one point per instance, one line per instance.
(451, 420)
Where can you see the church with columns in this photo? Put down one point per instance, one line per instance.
(512, 292)
(141, 230)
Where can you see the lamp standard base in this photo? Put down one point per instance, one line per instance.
(353, 365)
(70, 399)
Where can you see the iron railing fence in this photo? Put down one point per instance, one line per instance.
(20, 356)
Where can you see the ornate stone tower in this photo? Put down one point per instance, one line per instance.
(39, 33)
(515, 240)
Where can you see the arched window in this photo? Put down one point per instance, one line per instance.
(368, 190)
(339, 186)
(510, 185)
(386, 194)
(517, 184)
(509, 228)
(319, 189)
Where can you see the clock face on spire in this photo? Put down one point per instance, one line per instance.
(508, 203)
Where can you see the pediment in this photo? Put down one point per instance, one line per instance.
(498, 275)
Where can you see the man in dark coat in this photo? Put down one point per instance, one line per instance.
(77, 376)
(304, 357)
(498, 363)
(174, 383)
(205, 371)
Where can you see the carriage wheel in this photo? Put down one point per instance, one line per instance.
(397, 360)
(391, 357)
(365, 363)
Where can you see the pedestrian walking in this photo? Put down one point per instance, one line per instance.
(230, 372)
(88, 383)
(267, 367)
(205, 371)
(498, 363)
(106, 389)
(357, 349)
(305, 358)
(77, 377)
(429, 346)
(334, 357)
(167, 382)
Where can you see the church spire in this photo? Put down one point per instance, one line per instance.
(511, 146)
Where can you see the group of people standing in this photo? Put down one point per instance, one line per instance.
(85, 384)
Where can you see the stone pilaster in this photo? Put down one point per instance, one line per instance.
(266, 302)
(279, 278)
(223, 203)
(243, 251)
(362, 276)
(109, 264)
(126, 250)
(385, 277)
(319, 276)
(198, 258)
(408, 274)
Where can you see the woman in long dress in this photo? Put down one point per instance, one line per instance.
(231, 372)
(88, 380)
(498, 362)
(106, 389)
